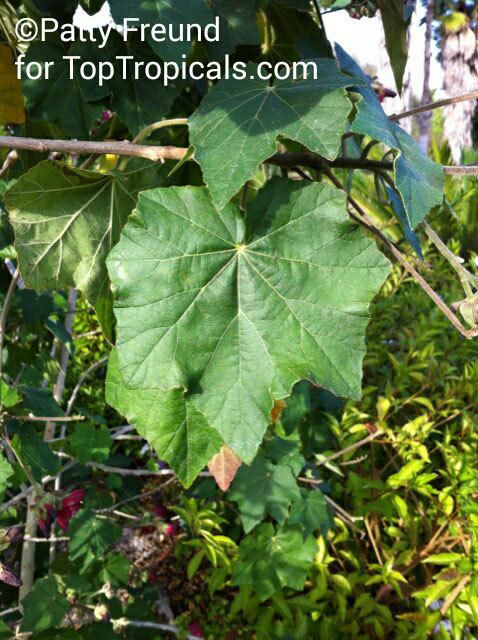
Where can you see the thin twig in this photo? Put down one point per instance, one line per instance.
(10, 160)
(7, 612)
(372, 540)
(122, 622)
(54, 539)
(77, 147)
(466, 277)
(352, 447)
(435, 105)
(467, 170)
(80, 382)
(364, 219)
(162, 124)
(27, 567)
(453, 595)
(139, 496)
(63, 359)
(31, 418)
(11, 269)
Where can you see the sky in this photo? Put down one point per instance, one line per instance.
(361, 38)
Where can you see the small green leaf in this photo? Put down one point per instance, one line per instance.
(286, 452)
(91, 537)
(270, 560)
(45, 606)
(264, 488)
(9, 397)
(443, 558)
(406, 473)
(89, 443)
(116, 569)
(395, 25)
(35, 454)
(6, 472)
(311, 513)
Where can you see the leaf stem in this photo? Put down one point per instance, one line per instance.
(162, 124)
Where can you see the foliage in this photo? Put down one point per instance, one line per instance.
(240, 310)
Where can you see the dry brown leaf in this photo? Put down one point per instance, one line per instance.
(12, 110)
(277, 409)
(224, 466)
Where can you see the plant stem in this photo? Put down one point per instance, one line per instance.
(76, 390)
(352, 447)
(364, 219)
(63, 360)
(473, 95)
(465, 276)
(151, 625)
(159, 153)
(27, 569)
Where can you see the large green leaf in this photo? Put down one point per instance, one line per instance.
(419, 180)
(66, 221)
(270, 560)
(44, 606)
(179, 434)
(236, 310)
(239, 123)
(264, 488)
(168, 12)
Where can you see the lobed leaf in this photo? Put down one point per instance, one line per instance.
(419, 180)
(240, 122)
(270, 560)
(236, 310)
(66, 221)
(264, 488)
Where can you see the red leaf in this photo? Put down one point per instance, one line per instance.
(224, 466)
